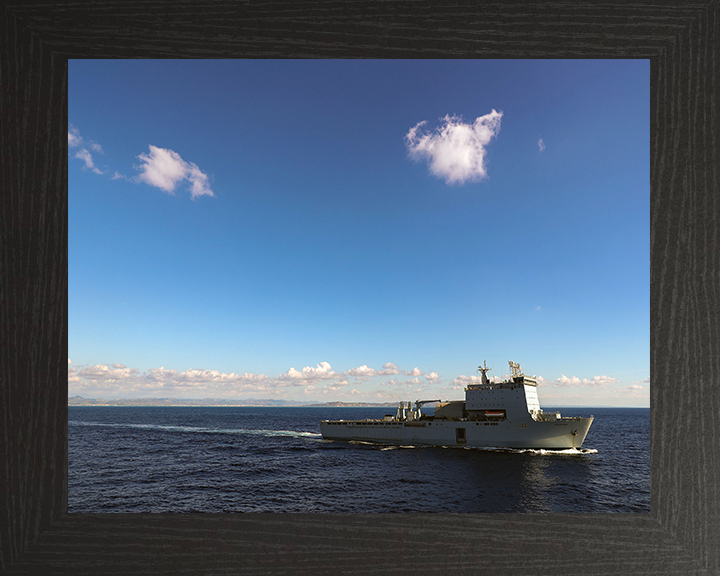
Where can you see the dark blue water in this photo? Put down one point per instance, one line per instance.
(195, 459)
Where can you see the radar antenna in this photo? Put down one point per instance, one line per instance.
(515, 369)
(484, 369)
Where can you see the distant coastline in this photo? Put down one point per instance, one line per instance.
(81, 401)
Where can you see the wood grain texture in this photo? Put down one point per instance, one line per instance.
(679, 536)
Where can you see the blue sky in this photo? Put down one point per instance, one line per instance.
(358, 230)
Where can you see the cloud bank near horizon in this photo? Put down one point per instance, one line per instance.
(319, 380)
(456, 150)
(575, 382)
(389, 383)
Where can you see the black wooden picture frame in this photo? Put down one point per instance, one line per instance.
(680, 535)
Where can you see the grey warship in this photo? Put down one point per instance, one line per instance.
(504, 414)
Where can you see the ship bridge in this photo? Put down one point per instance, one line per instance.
(516, 396)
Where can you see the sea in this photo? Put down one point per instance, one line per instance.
(268, 459)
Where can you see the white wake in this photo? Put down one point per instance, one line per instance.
(202, 430)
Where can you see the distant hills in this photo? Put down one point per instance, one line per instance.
(80, 401)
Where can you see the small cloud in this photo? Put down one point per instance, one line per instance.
(541, 145)
(462, 381)
(165, 169)
(389, 369)
(392, 382)
(86, 157)
(575, 382)
(635, 391)
(161, 168)
(336, 385)
(432, 377)
(456, 150)
(362, 372)
(323, 371)
(74, 138)
(538, 307)
(69, 361)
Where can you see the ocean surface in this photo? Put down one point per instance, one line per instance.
(211, 459)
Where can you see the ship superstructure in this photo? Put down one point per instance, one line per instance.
(502, 414)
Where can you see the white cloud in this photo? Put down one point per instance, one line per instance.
(161, 168)
(323, 371)
(635, 392)
(198, 182)
(72, 373)
(403, 386)
(456, 150)
(74, 138)
(390, 383)
(541, 145)
(86, 157)
(575, 382)
(362, 372)
(101, 372)
(462, 381)
(389, 369)
(165, 169)
(337, 385)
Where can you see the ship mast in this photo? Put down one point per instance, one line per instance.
(484, 369)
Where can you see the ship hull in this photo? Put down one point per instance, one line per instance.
(565, 433)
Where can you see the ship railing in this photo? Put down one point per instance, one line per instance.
(494, 386)
(547, 416)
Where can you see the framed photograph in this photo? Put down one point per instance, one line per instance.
(674, 532)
